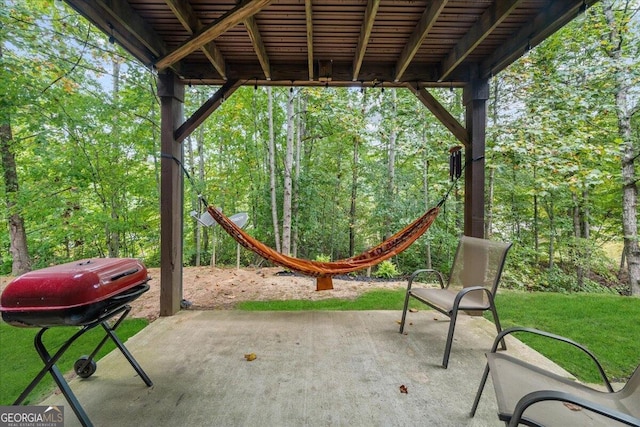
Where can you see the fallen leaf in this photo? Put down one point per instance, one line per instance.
(572, 406)
(250, 357)
(403, 389)
(413, 310)
(398, 322)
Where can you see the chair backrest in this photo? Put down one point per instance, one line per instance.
(478, 262)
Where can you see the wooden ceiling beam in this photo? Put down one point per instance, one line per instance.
(428, 18)
(187, 17)
(490, 19)
(258, 45)
(341, 72)
(206, 109)
(102, 19)
(441, 113)
(365, 33)
(547, 22)
(212, 31)
(308, 11)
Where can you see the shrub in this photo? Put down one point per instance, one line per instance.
(386, 270)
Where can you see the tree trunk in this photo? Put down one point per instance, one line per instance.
(113, 234)
(202, 236)
(576, 250)
(18, 247)
(354, 181)
(621, 81)
(425, 192)
(552, 233)
(272, 172)
(391, 162)
(302, 105)
(288, 182)
(17, 234)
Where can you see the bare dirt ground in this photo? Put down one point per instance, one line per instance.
(207, 288)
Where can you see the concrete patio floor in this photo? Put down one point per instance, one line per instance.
(312, 369)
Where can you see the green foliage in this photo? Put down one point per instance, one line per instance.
(323, 258)
(20, 362)
(386, 270)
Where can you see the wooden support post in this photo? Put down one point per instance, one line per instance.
(171, 93)
(324, 283)
(476, 94)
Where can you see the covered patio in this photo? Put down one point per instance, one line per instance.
(414, 45)
(311, 369)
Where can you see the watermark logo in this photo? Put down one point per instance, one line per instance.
(31, 416)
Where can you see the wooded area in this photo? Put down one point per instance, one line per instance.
(323, 172)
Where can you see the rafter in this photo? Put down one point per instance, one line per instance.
(213, 30)
(258, 45)
(428, 18)
(308, 11)
(489, 20)
(187, 17)
(365, 34)
(441, 113)
(557, 14)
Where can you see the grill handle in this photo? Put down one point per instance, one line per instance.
(125, 274)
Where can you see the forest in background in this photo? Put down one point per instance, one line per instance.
(337, 170)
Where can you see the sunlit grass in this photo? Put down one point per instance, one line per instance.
(19, 362)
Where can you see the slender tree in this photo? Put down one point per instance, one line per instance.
(619, 45)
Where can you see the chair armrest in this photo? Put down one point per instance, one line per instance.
(426, 270)
(466, 290)
(547, 395)
(509, 331)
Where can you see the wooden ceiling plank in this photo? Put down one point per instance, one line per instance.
(308, 11)
(258, 45)
(441, 113)
(206, 109)
(551, 19)
(428, 18)
(122, 12)
(101, 18)
(190, 21)
(365, 33)
(484, 26)
(212, 31)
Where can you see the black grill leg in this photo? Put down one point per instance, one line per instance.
(50, 366)
(111, 332)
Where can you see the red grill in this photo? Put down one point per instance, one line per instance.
(85, 293)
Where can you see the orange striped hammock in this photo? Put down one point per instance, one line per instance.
(325, 270)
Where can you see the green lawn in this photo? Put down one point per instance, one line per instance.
(19, 362)
(606, 324)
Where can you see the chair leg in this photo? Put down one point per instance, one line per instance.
(404, 310)
(483, 382)
(447, 348)
(496, 319)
